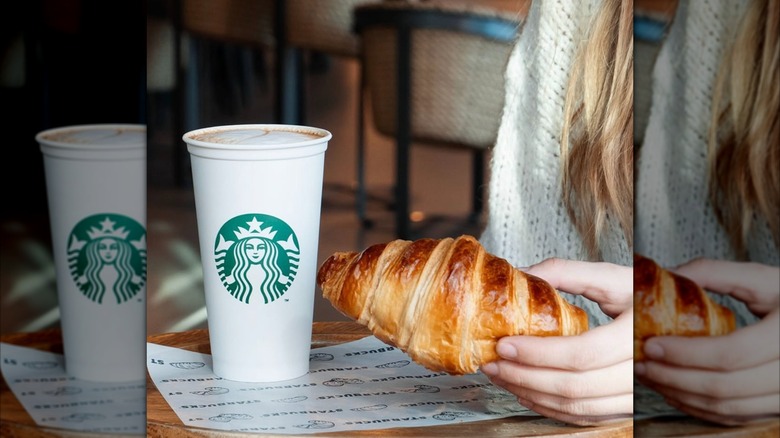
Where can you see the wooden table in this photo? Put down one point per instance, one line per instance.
(163, 422)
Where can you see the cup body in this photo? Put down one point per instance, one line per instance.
(96, 190)
(258, 195)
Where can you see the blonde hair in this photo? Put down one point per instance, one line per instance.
(597, 136)
(744, 137)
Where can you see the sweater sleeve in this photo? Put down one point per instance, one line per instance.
(675, 221)
(527, 220)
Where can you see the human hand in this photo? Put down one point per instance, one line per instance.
(584, 379)
(732, 379)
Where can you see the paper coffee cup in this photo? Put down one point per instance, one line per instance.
(258, 193)
(96, 189)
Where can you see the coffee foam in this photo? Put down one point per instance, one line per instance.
(97, 135)
(254, 136)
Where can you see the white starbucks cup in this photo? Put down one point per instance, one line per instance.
(96, 190)
(258, 194)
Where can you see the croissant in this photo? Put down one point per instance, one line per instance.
(445, 302)
(666, 303)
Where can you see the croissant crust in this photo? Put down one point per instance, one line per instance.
(445, 302)
(666, 303)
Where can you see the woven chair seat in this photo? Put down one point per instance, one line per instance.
(457, 81)
(457, 78)
(434, 71)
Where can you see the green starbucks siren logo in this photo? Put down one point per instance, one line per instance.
(107, 252)
(257, 253)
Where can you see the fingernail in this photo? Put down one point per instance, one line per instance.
(653, 350)
(506, 351)
(640, 369)
(490, 369)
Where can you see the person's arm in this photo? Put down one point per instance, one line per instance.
(732, 379)
(584, 379)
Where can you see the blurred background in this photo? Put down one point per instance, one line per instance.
(177, 65)
(62, 62)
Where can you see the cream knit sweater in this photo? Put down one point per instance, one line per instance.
(527, 221)
(674, 220)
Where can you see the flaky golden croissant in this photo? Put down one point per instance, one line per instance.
(445, 302)
(669, 304)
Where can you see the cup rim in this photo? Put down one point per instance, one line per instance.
(325, 136)
(40, 137)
